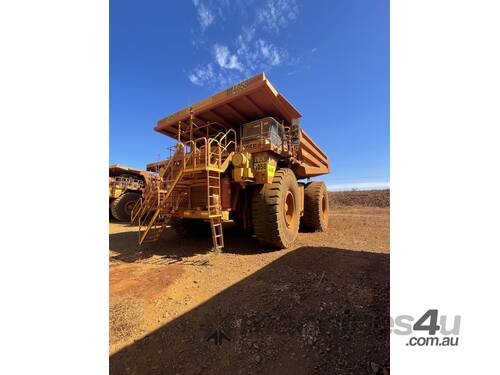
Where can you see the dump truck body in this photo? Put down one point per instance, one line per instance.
(238, 156)
(248, 101)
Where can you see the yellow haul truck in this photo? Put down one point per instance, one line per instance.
(126, 186)
(239, 156)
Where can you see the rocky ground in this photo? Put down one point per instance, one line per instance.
(321, 307)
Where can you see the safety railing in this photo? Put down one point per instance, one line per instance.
(195, 154)
(209, 151)
(229, 144)
(143, 206)
(203, 152)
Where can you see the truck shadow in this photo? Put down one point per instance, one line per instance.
(314, 310)
(171, 244)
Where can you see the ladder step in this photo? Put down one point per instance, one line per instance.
(217, 233)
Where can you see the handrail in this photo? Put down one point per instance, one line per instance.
(170, 161)
(150, 197)
(217, 152)
(159, 206)
(133, 213)
(227, 133)
(217, 135)
(225, 149)
(208, 148)
(141, 205)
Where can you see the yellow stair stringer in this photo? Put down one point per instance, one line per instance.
(150, 225)
(158, 210)
(169, 164)
(142, 206)
(227, 161)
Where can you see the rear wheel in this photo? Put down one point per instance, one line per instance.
(121, 207)
(275, 210)
(316, 211)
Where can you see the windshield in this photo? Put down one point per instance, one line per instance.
(254, 130)
(265, 129)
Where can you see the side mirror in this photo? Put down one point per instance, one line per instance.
(295, 132)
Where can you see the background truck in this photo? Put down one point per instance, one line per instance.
(239, 155)
(126, 186)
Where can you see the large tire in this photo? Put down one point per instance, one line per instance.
(111, 217)
(190, 227)
(121, 207)
(275, 210)
(316, 211)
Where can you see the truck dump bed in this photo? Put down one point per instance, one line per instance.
(118, 170)
(244, 102)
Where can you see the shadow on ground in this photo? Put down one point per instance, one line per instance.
(171, 244)
(315, 310)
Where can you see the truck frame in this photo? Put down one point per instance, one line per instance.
(239, 156)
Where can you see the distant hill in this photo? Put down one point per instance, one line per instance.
(367, 198)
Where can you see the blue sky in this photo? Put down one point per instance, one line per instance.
(329, 58)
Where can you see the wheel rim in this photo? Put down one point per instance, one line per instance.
(128, 207)
(324, 207)
(289, 209)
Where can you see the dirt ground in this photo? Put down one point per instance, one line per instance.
(321, 307)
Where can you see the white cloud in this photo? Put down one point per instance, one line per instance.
(203, 75)
(213, 76)
(276, 14)
(205, 16)
(359, 186)
(253, 50)
(209, 11)
(225, 59)
(247, 33)
(231, 67)
(259, 54)
(269, 52)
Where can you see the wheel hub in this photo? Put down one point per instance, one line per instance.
(128, 207)
(289, 210)
(324, 207)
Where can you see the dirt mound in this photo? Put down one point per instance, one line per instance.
(364, 198)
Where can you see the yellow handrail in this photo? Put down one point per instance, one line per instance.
(205, 151)
(230, 131)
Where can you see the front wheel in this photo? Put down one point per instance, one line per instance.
(121, 207)
(275, 210)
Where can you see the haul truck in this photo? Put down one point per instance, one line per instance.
(126, 186)
(239, 156)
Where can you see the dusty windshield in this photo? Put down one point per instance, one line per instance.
(263, 130)
(254, 131)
